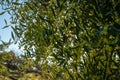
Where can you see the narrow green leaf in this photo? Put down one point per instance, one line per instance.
(2, 13)
(58, 3)
(4, 43)
(10, 41)
(5, 21)
(12, 36)
(8, 12)
(5, 27)
(53, 11)
(13, 22)
(41, 18)
(16, 3)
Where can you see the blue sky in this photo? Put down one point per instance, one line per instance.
(5, 34)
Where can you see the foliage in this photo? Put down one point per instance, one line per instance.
(15, 68)
(6, 64)
(80, 37)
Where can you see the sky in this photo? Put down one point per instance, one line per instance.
(5, 34)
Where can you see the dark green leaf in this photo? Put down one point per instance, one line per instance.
(12, 36)
(53, 11)
(5, 27)
(5, 21)
(2, 13)
(13, 22)
(16, 3)
(58, 3)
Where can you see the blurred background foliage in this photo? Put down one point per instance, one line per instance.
(66, 39)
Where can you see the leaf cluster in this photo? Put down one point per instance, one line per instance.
(81, 37)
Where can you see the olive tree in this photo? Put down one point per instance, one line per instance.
(80, 38)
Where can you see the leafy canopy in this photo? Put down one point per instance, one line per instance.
(81, 37)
